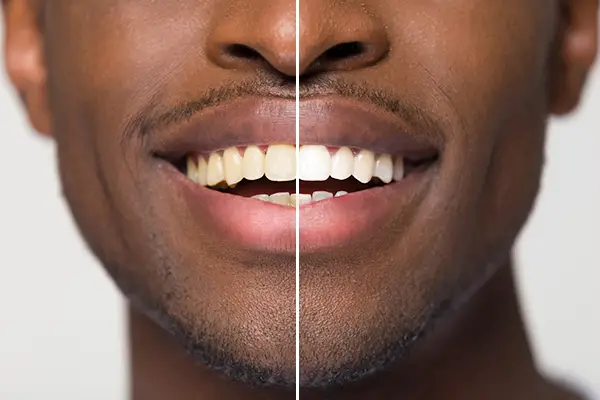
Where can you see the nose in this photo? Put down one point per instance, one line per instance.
(260, 35)
(333, 36)
(337, 35)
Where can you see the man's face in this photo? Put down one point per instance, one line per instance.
(458, 93)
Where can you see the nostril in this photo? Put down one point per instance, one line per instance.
(348, 55)
(343, 51)
(338, 52)
(242, 51)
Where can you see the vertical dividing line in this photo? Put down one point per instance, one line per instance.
(297, 204)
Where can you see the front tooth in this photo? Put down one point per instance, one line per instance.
(215, 170)
(280, 163)
(192, 169)
(253, 164)
(399, 169)
(315, 163)
(342, 164)
(364, 164)
(384, 168)
(232, 163)
(202, 171)
(280, 198)
(341, 193)
(299, 199)
(319, 195)
(263, 197)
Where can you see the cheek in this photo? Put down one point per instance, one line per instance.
(115, 55)
(104, 61)
(479, 55)
(489, 62)
(513, 178)
(485, 63)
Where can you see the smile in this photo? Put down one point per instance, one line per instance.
(268, 173)
(358, 169)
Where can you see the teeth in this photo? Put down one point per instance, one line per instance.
(384, 168)
(280, 163)
(192, 169)
(253, 164)
(364, 166)
(299, 199)
(263, 197)
(215, 170)
(293, 200)
(280, 198)
(202, 171)
(315, 163)
(318, 196)
(399, 169)
(342, 164)
(232, 162)
(341, 193)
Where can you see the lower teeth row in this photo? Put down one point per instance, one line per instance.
(293, 200)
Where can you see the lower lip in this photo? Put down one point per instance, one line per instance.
(324, 225)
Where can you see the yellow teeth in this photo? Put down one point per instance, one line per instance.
(215, 172)
(253, 163)
(232, 164)
(280, 163)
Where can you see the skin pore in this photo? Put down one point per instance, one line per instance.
(423, 306)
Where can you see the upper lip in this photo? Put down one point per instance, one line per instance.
(330, 120)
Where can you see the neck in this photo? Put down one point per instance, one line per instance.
(480, 352)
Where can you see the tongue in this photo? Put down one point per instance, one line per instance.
(265, 186)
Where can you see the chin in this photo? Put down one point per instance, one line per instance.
(355, 354)
(228, 355)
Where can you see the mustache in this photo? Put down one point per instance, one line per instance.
(154, 116)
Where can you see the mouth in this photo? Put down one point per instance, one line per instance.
(269, 172)
(235, 170)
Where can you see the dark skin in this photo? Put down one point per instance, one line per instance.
(438, 269)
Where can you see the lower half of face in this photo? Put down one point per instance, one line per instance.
(377, 263)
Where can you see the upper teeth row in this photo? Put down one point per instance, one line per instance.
(278, 163)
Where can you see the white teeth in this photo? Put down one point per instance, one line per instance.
(319, 195)
(342, 164)
(364, 166)
(399, 169)
(215, 170)
(253, 164)
(232, 162)
(299, 199)
(341, 193)
(384, 168)
(315, 163)
(280, 163)
(280, 198)
(263, 197)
